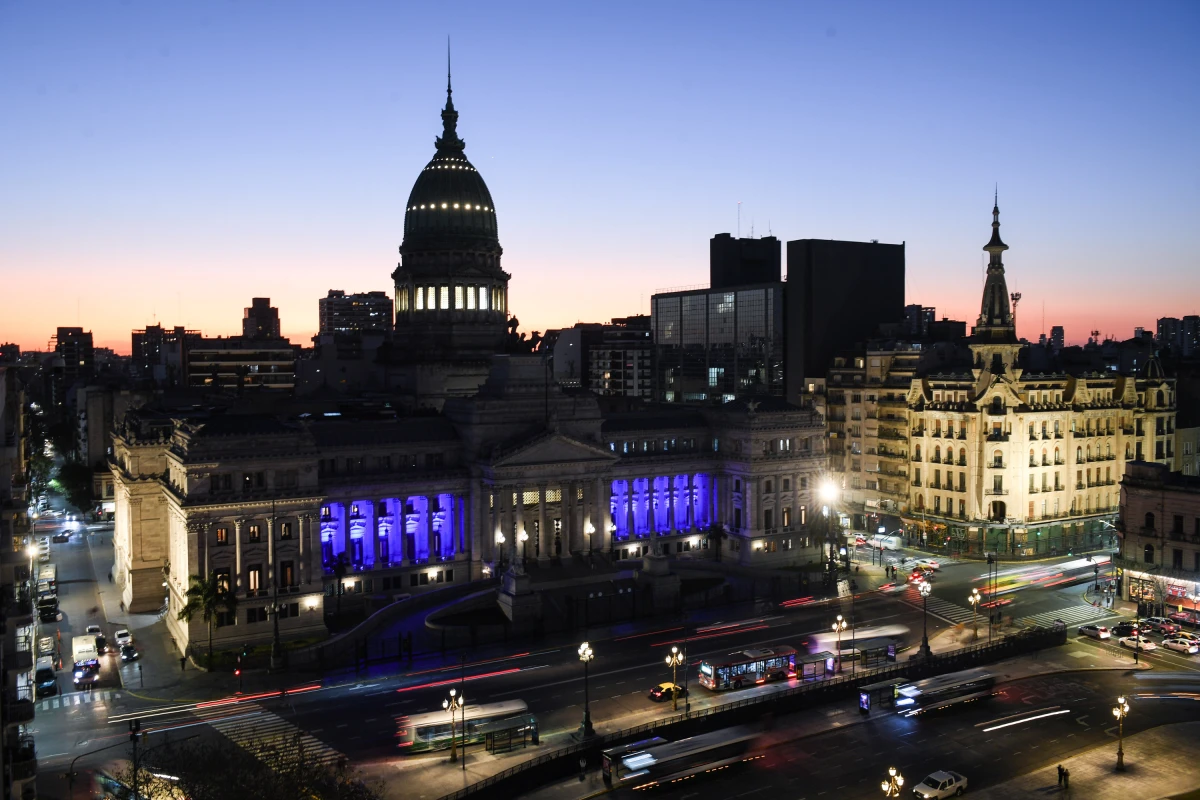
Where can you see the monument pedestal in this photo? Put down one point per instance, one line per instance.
(520, 603)
(664, 584)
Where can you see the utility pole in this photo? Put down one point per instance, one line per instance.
(135, 733)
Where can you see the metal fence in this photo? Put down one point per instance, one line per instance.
(563, 762)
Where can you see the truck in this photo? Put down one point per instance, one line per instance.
(49, 574)
(86, 660)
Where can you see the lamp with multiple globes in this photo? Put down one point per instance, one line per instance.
(453, 704)
(838, 627)
(895, 782)
(586, 655)
(926, 590)
(1120, 711)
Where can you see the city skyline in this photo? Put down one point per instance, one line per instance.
(175, 164)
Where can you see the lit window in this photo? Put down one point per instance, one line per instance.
(420, 299)
(458, 297)
(470, 298)
(445, 296)
(483, 298)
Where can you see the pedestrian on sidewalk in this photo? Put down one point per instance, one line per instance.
(1060, 776)
(1066, 780)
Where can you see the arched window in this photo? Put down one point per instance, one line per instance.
(1032, 458)
(937, 454)
(1045, 460)
(920, 501)
(962, 456)
(1159, 399)
(1149, 521)
(1128, 450)
(1057, 456)
(1108, 451)
(1078, 455)
(997, 405)
(997, 459)
(1089, 453)
(917, 456)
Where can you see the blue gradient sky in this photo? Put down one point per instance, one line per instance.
(171, 161)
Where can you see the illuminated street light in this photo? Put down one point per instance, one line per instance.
(838, 627)
(455, 702)
(974, 601)
(500, 549)
(674, 661)
(522, 537)
(586, 655)
(926, 589)
(1120, 712)
(891, 787)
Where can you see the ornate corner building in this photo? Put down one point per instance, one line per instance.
(971, 447)
(294, 508)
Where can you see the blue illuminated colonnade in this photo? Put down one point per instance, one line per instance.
(394, 531)
(662, 505)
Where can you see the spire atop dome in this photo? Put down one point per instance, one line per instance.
(448, 144)
(996, 246)
(995, 314)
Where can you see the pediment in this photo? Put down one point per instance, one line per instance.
(554, 448)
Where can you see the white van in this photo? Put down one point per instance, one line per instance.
(887, 542)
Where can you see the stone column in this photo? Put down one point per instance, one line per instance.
(270, 553)
(375, 515)
(518, 549)
(237, 555)
(475, 522)
(629, 509)
(690, 522)
(671, 504)
(431, 508)
(601, 514)
(303, 529)
(545, 538)
(651, 522)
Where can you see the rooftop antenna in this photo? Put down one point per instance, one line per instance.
(1016, 298)
(739, 219)
(769, 231)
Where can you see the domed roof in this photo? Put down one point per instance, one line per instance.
(449, 205)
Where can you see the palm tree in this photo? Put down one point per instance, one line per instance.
(208, 598)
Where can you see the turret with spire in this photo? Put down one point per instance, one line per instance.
(448, 143)
(995, 323)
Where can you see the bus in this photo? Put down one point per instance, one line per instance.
(672, 761)
(431, 731)
(943, 691)
(85, 659)
(747, 667)
(610, 759)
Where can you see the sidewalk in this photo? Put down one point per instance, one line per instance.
(1156, 766)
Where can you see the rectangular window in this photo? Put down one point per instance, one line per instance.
(254, 579)
(222, 576)
(458, 297)
(222, 535)
(254, 615)
(287, 573)
(445, 297)
(483, 298)
(471, 298)
(420, 298)
(787, 517)
(225, 618)
(253, 533)
(285, 530)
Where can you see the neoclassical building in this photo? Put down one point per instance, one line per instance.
(283, 505)
(967, 442)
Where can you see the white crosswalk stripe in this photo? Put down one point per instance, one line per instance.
(76, 698)
(1072, 615)
(272, 739)
(942, 609)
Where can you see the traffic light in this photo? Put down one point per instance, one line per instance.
(245, 651)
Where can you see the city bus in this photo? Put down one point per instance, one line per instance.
(943, 691)
(610, 759)
(420, 732)
(672, 761)
(747, 667)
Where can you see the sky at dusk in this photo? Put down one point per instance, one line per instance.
(169, 161)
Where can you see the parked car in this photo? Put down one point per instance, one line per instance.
(61, 536)
(1160, 624)
(941, 784)
(1094, 631)
(1124, 629)
(129, 652)
(124, 637)
(665, 691)
(46, 646)
(94, 630)
(1181, 645)
(1132, 642)
(48, 614)
(101, 644)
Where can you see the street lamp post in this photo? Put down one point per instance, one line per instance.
(925, 591)
(674, 661)
(453, 704)
(586, 655)
(500, 549)
(895, 782)
(974, 601)
(838, 627)
(522, 537)
(1120, 711)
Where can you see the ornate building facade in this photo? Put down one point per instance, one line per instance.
(971, 447)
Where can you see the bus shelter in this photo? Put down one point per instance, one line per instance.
(815, 665)
(875, 652)
(505, 735)
(882, 694)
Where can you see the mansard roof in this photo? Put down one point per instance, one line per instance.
(367, 433)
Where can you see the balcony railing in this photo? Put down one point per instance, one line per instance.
(997, 437)
(996, 492)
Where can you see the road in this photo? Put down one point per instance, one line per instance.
(359, 719)
(1029, 724)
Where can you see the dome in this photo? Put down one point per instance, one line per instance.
(449, 205)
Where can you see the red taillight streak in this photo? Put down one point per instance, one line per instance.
(651, 633)
(460, 680)
(261, 695)
(712, 635)
(472, 664)
(724, 626)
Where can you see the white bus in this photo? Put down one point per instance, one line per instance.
(671, 761)
(944, 690)
(420, 732)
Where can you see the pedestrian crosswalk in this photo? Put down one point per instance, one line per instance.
(272, 739)
(78, 698)
(942, 609)
(1073, 615)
